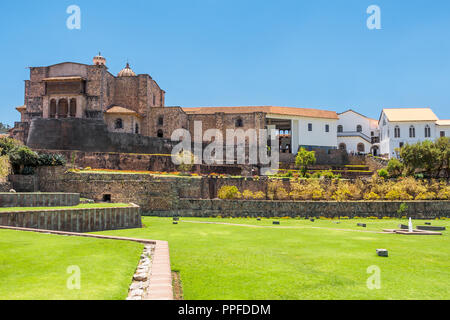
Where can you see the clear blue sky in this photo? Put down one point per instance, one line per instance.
(230, 53)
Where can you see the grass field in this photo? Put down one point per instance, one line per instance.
(33, 266)
(298, 260)
(80, 206)
(301, 259)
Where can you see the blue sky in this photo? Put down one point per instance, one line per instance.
(295, 53)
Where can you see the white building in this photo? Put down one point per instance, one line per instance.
(400, 126)
(357, 133)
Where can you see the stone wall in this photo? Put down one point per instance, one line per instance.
(39, 199)
(91, 136)
(24, 183)
(151, 193)
(329, 209)
(75, 220)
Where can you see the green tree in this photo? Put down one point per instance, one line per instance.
(395, 168)
(304, 159)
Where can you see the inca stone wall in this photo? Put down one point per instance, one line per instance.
(92, 136)
(39, 199)
(329, 209)
(75, 220)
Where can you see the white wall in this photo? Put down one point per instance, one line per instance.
(350, 120)
(389, 142)
(445, 128)
(351, 144)
(316, 137)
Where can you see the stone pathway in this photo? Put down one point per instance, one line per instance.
(278, 227)
(160, 283)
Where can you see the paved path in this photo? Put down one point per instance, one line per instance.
(161, 274)
(278, 227)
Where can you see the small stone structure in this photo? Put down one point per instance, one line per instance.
(39, 199)
(141, 279)
(75, 220)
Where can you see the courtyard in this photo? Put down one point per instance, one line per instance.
(238, 258)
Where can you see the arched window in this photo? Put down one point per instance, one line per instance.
(118, 124)
(340, 129)
(361, 147)
(161, 121)
(63, 108)
(160, 134)
(136, 129)
(397, 132)
(359, 128)
(52, 111)
(342, 146)
(73, 108)
(239, 123)
(412, 132)
(427, 131)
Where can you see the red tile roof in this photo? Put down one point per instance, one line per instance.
(300, 112)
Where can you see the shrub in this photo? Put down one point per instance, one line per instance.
(51, 159)
(398, 194)
(307, 190)
(259, 195)
(394, 168)
(383, 173)
(426, 196)
(371, 196)
(276, 191)
(229, 192)
(5, 167)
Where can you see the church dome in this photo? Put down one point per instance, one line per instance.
(126, 72)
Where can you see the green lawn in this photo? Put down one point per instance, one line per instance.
(80, 206)
(33, 266)
(301, 259)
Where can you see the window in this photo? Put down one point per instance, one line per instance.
(52, 113)
(136, 128)
(340, 129)
(73, 108)
(154, 99)
(442, 133)
(118, 124)
(427, 131)
(63, 108)
(161, 121)
(361, 147)
(412, 132)
(309, 126)
(372, 133)
(327, 128)
(239, 123)
(358, 128)
(342, 146)
(160, 134)
(397, 132)
(106, 198)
